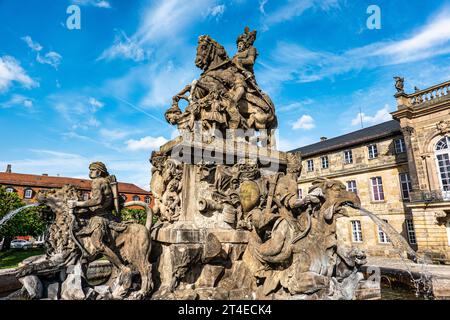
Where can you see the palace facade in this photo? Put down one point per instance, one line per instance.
(401, 171)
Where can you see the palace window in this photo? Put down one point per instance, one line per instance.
(9, 189)
(443, 163)
(348, 156)
(324, 161)
(377, 189)
(382, 237)
(28, 194)
(405, 182)
(410, 231)
(373, 151)
(147, 200)
(356, 231)
(136, 198)
(448, 232)
(300, 193)
(310, 165)
(400, 146)
(351, 186)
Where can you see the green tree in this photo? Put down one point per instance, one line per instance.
(25, 223)
(136, 215)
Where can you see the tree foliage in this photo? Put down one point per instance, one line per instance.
(25, 223)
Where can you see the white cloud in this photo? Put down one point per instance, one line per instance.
(292, 62)
(169, 20)
(382, 115)
(262, 3)
(95, 3)
(217, 11)
(305, 122)
(112, 134)
(33, 45)
(125, 48)
(292, 9)
(146, 143)
(51, 58)
(17, 100)
(298, 105)
(96, 104)
(11, 71)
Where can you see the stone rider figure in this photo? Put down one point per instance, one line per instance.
(246, 56)
(98, 208)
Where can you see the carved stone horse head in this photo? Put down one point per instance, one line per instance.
(209, 53)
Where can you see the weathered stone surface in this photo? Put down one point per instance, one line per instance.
(72, 287)
(210, 276)
(53, 291)
(441, 288)
(33, 286)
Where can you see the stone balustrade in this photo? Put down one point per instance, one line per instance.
(433, 93)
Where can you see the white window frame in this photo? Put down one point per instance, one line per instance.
(399, 145)
(310, 165)
(348, 156)
(352, 186)
(405, 181)
(324, 161)
(444, 174)
(356, 231)
(300, 193)
(382, 236)
(448, 232)
(28, 193)
(379, 186)
(373, 150)
(10, 189)
(136, 198)
(410, 231)
(148, 199)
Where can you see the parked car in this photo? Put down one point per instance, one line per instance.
(21, 244)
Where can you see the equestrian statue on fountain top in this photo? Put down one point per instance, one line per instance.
(226, 96)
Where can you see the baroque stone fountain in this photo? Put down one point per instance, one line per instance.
(230, 223)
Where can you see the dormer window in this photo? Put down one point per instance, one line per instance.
(28, 194)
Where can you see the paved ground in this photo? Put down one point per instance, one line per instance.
(441, 271)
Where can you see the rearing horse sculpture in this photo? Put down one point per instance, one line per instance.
(223, 97)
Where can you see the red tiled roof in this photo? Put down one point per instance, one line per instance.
(31, 180)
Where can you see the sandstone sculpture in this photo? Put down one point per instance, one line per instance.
(84, 231)
(231, 224)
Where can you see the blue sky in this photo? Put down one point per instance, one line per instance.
(68, 97)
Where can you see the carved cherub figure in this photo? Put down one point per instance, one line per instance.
(170, 201)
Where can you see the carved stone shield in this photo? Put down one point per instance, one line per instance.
(249, 194)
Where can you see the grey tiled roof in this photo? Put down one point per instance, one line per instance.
(378, 131)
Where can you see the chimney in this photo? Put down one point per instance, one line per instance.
(323, 138)
(8, 168)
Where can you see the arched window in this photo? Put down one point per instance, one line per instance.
(136, 198)
(443, 163)
(9, 189)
